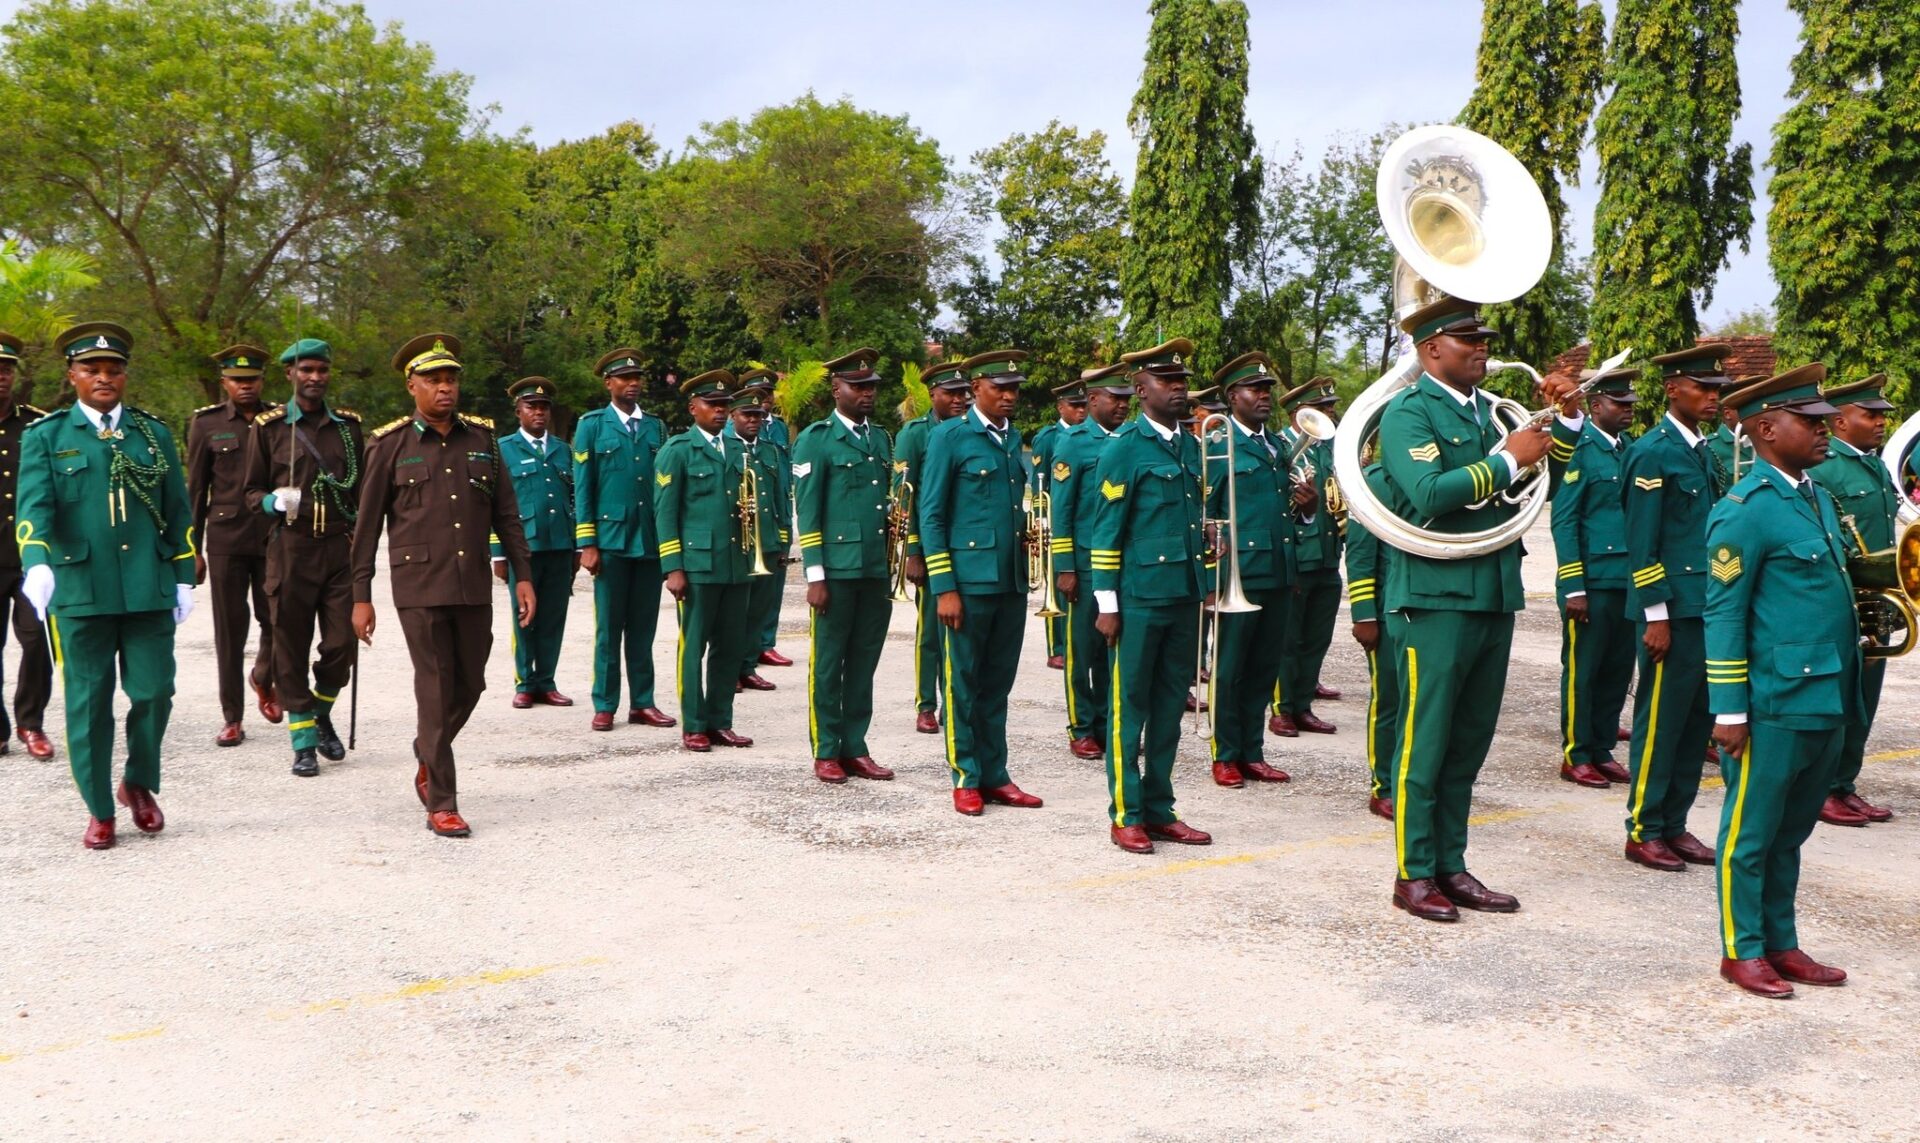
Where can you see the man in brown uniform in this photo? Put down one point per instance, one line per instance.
(232, 539)
(303, 474)
(435, 481)
(35, 684)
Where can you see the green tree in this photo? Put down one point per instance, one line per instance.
(1750, 322)
(1673, 197)
(1536, 77)
(1844, 231)
(1195, 205)
(37, 288)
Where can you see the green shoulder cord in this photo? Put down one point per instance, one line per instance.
(334, 488)
(125, 472)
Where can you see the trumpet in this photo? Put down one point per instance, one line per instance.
(1231, 598)
(899, 526)
(750, 519)
(1038, 507)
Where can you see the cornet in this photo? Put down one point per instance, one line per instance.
(1039, 537)
(899, 526)
(750, 518)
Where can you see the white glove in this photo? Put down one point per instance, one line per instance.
(286, 501)
(182, 602)
(38, 588)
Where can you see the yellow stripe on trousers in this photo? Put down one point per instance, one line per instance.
(1406, 761)
(1573, 674)
(1373, 719)
(813, 665)
(1727, 849)
(1646, 749)
(1116, 735)
(1073, 712)
(680, 656)
(946, 691)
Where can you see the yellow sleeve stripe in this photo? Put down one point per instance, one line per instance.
(1652, 573)
(1367, 582)
(814, 536)
(493, 537)
(813, 543)
(1726, 662)
(1573, 571)
(1361, 597)
(1724, 680)
(1062, 546)
(1573, 564)
(670, 547)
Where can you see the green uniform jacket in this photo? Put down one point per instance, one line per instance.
(1074, 490)
(1438, 461)
(1861, 488)
(109, 555)
(1145, 532)
(1720, 444)
(1318, 543)
(698, 508)
(1667, 489)
(909, 453)
(613, 484)
(1045, 442)
(971, 520)
(1783, 639)
(840, 486)
(1589, 524)
(1266, 530)
(774, 432)
(1368, 558)
(543, 484)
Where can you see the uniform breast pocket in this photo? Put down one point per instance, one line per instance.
(411, 480)
(69, 475)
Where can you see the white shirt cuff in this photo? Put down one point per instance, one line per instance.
(1513, 469)
(1574, 423)
(1575, 594)
(1730, 719)
(1657, 612)
(816, 574)
(1109, 601)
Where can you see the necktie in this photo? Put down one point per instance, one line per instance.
(1806, 490)
(1266, 442)
(540, 445)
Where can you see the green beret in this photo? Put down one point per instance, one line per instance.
(1796, 390)
(91, 339)
(311, 347)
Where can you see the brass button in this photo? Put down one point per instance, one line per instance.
(456, 523)
(449, 470)
(123, 547)
(459, 553)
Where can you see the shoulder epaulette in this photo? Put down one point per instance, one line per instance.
(270, 416)
(205, 409)
(31, 412)
(383, 430)
(46, 418)
(476, 419)
(349, 414)
(144, 413)
(817, 426)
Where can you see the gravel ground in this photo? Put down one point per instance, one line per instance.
(637, 941)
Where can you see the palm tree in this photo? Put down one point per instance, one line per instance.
(36, 288)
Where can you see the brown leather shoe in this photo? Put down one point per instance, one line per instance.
(99, 834)
(927, 722)
(1312, 723)
(1584, 774)
(828, 770)
(1227, 774)
(41, 747)
(1690, 849)
(1131, 838)
(1623, 734)
(552, 698)
(1423, 899)
(1465, 890)
(1195, 704)
(726, 737)
(1380, 807)
(1323, 691)
(773, 658)
(147, 817)
(266, 700)
(447, 823)
(232, 734)
(1800, 968)
(1057, 662)
(1854, 802)
(1756, 976)
(1612, 771)
(1180, 833)
(522, 700)
(1012, 795)
(968, 802)
(754, 682)
(420, 783)
(602, 720)
(651, 716)
(1261, 772)
(1654, 855)
(1833, 811)
(1282, 725)
(865, 767)
(1713, 754)
(696, 742)
(1089, 748)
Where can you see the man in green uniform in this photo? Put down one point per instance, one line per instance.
(1868, 503)
(1783, 665)
(105, 534)
(1590, 547)
(1150, 573)
(1670, 482)
(1367, 562)
(1070, 406)
(697, 505)
(1076, 456)
(1451, 621)
(434, 484)
(613, 452)
(303, 473)
(1261, 531)
(1314, 603)
(1731, 453)
(540, 465)
(842, 472)
(747, 416)
(949, 393)
(35, 685)
(231, 538)
(973, 532)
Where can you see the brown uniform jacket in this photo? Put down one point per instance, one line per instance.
(437, 496)
(18, 417)
(268, 460)
(217, 482)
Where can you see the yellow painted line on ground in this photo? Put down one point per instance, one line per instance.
(1716, 783)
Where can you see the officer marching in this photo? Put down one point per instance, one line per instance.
(34, 686)
(613, 457)
(1314, 604)
(540, 464)
(949, 394)
(1368, 564)
(105, 534)
(434, 484)
(232, 538)
(303, 475)
(1784, 668)
(973, 531)
(1076, 456)
(748, 416)
(1070, 412)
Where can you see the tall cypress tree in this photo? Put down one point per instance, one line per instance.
(1535, 81)
(1844, 232)
(1195, 205)
(1673, 197)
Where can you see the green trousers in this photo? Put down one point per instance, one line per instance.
(1853, 751)
(980, 661)
(713, 625)
(1056, 626)
(1150, 667)
(1671, 731)
(926, 652)
(1774, 792)
(1383, 714)
(1314, 606)
(763, 608)
(1087, 671)
(536, 650)
(1454, 672)
(626, 612)
(1252, 644)
(1596, 664)
(844, 652)
(90, 650)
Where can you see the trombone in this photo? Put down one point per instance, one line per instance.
(1231, 598)
(750, 518)
(1038, 507)
(899, 526)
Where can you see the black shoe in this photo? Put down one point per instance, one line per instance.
(331, 748)
(305, 765)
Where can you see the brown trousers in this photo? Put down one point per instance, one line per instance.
(35, 684)
(449, 646)
(310, 580)
(232, 580)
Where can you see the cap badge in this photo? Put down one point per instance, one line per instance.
(1176, 359)
(439, 346)
(101, 342)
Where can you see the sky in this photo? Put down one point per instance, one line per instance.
(969, 74)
